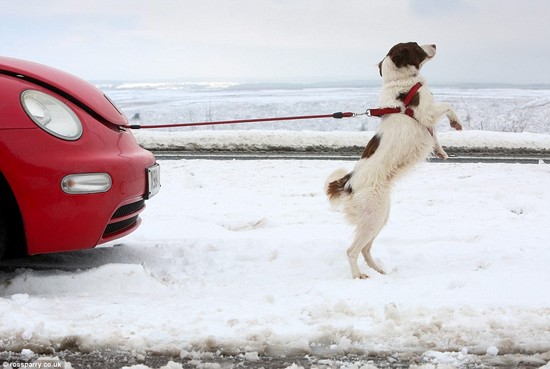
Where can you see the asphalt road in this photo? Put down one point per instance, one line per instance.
(117, 359)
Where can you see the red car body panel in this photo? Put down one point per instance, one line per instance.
(74, 87)
(34, 163)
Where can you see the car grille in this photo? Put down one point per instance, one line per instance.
(128, 209)
(124, 217)
(119, 226)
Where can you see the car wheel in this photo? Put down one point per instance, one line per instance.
(12, 236)
(3, 235)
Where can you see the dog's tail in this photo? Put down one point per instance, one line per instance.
(336, 187)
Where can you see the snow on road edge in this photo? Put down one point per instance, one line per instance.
(256, 140)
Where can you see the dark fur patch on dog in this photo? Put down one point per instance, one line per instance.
(456, 125)
(403, 54)
(338, 186)
(371, 147)
(409, 53)
(335, 188)
(415, 101)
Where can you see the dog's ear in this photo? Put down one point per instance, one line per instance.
(404, 56)
(398, 57)
(416, 56)
(380, 68)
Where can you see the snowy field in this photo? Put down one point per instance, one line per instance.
(245, 257)
(487, 108)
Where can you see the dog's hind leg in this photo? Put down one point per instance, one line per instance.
(372, 223)
(359, 246)
(368, 258)
(353, 254)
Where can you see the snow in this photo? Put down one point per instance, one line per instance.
(246, 257)
(484, 108)
(256, 140)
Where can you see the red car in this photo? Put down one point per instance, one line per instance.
(71, 175)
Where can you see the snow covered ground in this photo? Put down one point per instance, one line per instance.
(246, 257)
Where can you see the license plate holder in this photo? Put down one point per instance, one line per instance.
(153, 181)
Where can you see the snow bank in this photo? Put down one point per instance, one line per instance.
(253, 140)
(246, 257)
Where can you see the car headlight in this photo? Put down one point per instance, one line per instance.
(51, 115)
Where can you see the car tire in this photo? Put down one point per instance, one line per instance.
(12, 236)
(3, 235)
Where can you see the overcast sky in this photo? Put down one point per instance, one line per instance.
(479, 41)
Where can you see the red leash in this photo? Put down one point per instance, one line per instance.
(338, 115)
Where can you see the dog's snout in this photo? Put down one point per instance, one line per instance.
(430, 50)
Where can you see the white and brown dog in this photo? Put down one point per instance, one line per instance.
(405, 137)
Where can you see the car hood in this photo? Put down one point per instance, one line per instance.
(80, 92)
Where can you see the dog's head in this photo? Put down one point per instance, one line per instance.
(405, 60)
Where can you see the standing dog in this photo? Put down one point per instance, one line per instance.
(405, 137)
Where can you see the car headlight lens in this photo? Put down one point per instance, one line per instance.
(51, 115)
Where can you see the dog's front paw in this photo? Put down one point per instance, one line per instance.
(456, 125)
(360, 276)
(442, 155)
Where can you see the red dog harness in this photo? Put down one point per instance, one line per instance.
(406, 102)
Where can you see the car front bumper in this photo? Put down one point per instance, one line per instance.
(54, 220)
